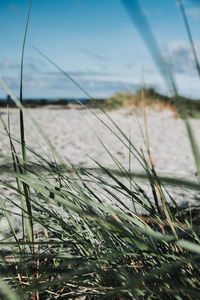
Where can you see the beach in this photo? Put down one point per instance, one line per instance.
(81, 136)
(75, 133)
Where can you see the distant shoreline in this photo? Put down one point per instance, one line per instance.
(64, 102)
(179, 105)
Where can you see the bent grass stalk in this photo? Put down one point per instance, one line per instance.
(155, 186)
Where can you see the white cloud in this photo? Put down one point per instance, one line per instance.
(177, 3)
(47, 84)
(180, 57)
(188, 85)
(9, 64)
(194, 13)
(96, 55)
(30, 64)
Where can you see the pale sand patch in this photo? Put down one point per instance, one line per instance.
(74, 138)
(73, 132)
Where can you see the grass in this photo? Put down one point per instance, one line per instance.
(153, 99)
(81, 247)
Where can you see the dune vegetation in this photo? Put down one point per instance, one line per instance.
(150, 98)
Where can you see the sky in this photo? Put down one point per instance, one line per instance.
(97, 43)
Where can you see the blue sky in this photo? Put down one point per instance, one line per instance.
(96, 42)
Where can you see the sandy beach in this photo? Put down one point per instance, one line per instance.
(75, 134)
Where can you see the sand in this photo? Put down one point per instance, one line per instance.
(75, 133)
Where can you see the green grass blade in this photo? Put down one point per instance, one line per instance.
(7, 292)
(28, 222)
(194, 147)
(189, 36)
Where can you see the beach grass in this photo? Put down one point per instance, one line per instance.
(75, 244)
(154, 100)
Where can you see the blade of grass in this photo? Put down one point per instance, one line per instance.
(137, 16)
(181, 5)
(29, 223)
(194, 147)
(7, 291)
